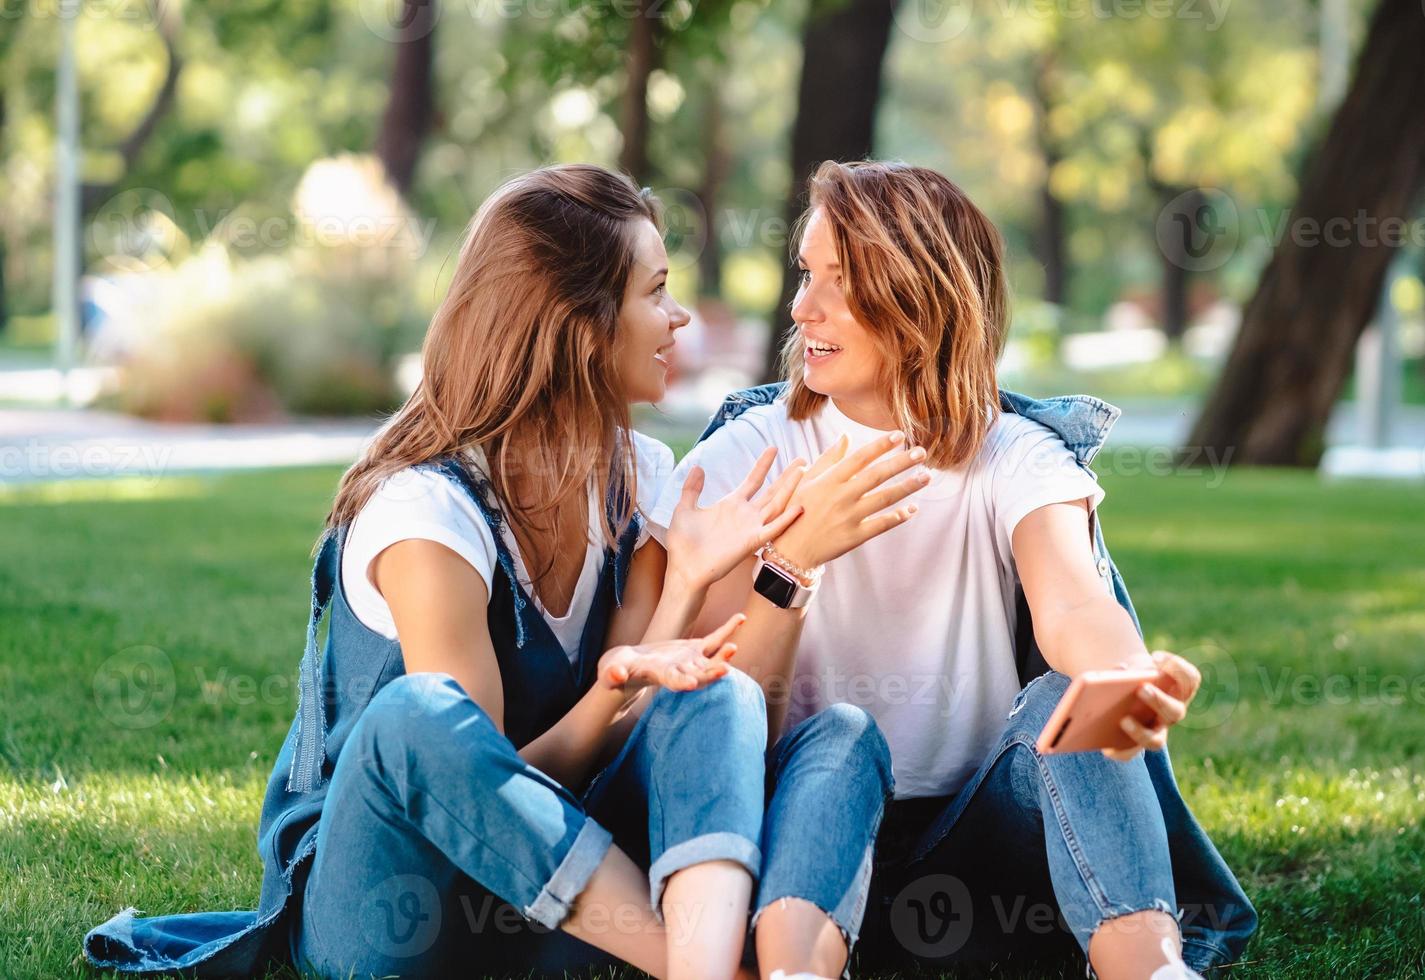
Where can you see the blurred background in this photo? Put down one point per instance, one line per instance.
(224, 225)
(220, 212)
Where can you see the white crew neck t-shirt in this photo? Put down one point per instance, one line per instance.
(916, 625)
(415, 503)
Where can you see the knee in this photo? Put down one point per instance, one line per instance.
(1036, 701)
(849, 735)
(733, 699)
(416, 711)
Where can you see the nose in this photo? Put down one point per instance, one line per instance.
(680, 316)
(804, 308)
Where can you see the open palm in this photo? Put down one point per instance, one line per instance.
(706, 543)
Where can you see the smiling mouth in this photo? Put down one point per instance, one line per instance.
(661, 355)
(819, 350)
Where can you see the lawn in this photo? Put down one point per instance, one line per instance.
(1304, 602)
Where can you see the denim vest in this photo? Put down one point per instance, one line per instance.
(1081, 421)
(335, 684)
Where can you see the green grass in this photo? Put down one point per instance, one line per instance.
(1273, 580)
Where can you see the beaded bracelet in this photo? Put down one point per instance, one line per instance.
(772, 556)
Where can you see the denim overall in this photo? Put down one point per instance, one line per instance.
(1107, 811)
(354, 694)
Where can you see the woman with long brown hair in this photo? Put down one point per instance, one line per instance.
(956, 633)
(504, 726)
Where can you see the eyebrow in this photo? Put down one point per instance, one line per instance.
(802, 260)
(662, 270)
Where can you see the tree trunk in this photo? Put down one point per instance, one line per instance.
(642, 59)
(410, 107)
(169, 24)
(1320, 289)
(1053, 226)
(715, 164)
(1173, 291)
(843, 50)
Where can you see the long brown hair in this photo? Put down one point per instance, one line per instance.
(519, 357)
(923, 271)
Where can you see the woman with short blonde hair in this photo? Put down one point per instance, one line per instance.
(953, 633)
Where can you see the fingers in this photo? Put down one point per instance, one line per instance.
(772, 531)
(1184, 675)
(686, 675)
(1122, 755)
(720, 636)
(874, 449)
(889, 496)
(883, 469)
(1147, 738)
(757, 474)
(881, 523)
(1164, 705)
(830, 458)
(692, 488)
(774, 499)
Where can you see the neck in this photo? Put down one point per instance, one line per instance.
(869, 411)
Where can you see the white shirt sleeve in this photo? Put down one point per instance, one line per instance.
(411, 504)
(653, 462)
(1031, 468)
(726, 457)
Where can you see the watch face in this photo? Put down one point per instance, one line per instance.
(775, 587)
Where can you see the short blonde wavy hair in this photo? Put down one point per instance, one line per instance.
(923, 271)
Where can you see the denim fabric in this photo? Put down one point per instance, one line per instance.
(1078, 836)
(1036, 849)
(539, 864)
(435, 828)
(828, 778)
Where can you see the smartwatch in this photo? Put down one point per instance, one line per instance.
(779, 587)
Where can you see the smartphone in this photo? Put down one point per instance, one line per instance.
(1088, 715)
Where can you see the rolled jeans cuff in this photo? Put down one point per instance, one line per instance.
(552, 903)
(722, 846)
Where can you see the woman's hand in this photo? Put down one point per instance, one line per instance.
(844, 499)
(1169, 701)
(706, 543)
(679, 665)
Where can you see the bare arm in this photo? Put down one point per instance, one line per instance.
(1081, 627)
(846, 499)
(438, 603)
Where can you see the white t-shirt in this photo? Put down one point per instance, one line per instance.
(916, 625)
(415, 503)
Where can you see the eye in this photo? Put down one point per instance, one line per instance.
(803, 275)
(660, 289)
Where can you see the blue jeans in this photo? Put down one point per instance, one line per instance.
(441, 851)
(828, 780)
(1032, 855)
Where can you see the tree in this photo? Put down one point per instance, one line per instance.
(1294, 349)
(843, 51)
(410, 109)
